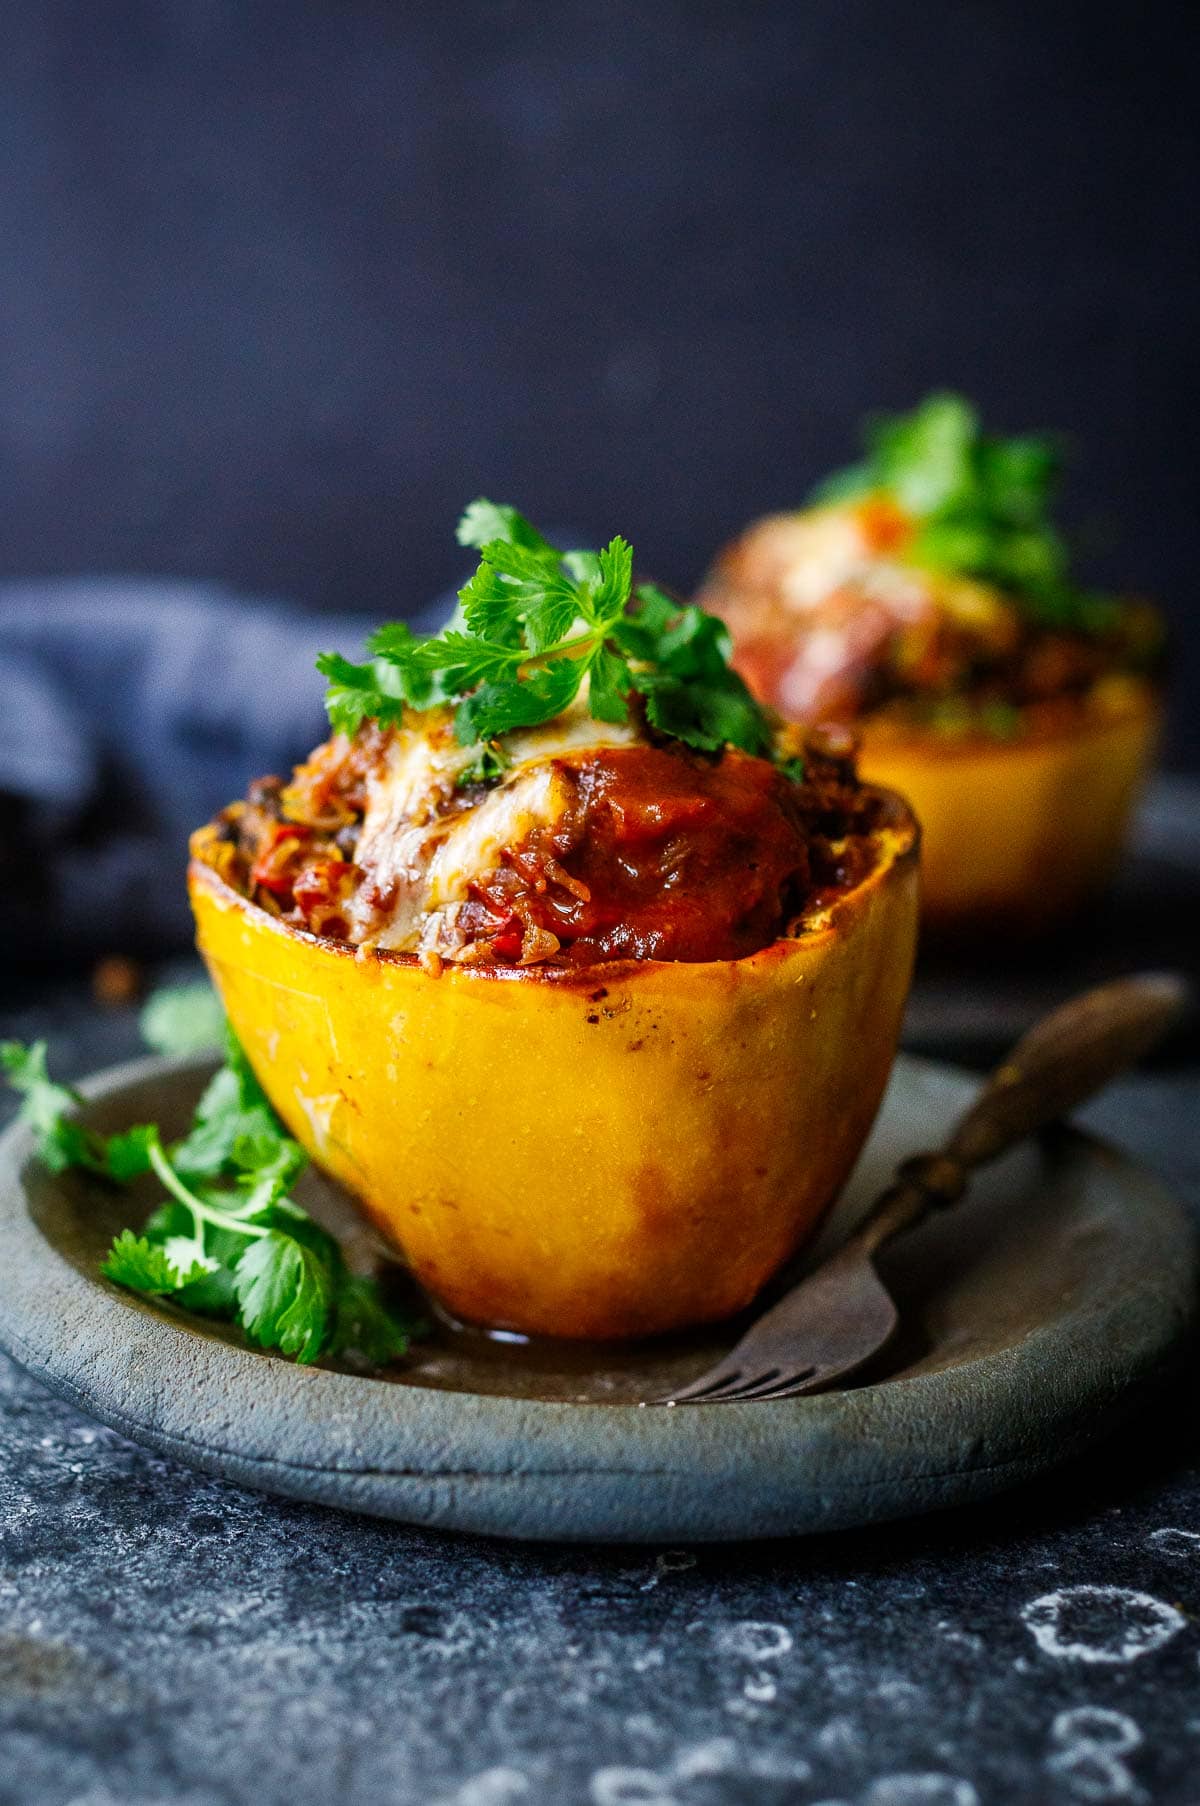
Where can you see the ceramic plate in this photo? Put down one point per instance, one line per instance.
(1034, 1317)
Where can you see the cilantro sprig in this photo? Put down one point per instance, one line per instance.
(533, 623)
(228, 1240)
(183, 1019)
(982, 505)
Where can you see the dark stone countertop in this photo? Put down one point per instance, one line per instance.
(170, 1640)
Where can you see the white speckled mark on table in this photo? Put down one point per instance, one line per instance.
(1101, 1624)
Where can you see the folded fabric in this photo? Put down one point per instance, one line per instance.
(133, 708)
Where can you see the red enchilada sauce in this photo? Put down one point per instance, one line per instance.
(666, 855)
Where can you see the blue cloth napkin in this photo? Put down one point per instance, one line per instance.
(132, 710)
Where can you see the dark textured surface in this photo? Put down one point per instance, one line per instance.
(283, 285)
(167, 1640)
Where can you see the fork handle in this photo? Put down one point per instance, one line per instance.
(1063, 1060)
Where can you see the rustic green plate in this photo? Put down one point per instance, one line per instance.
(1034, 1318)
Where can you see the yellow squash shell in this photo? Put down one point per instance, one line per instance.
(1018, 835)
(603, 1153)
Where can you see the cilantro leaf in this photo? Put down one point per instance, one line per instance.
(641, 631)
(232, 1112)
(48, 1109)
(609, 683)
(498, 708)
(532, 623)
(146, 1266)
(211, 1293)
(127, 1155)
(460, 660)
(229, 1240)
(183, 1019)
(392, 643)
(607, 594)
(523, 596)
(268, 1156)
(690, 689)
(222, 1117)
(704, 716)
(483, 521)
(1019, 476)
(285, 1294)
(584, 566)
(398, 674)
(364, 1325)
(488, 763)
(485, 610)
(981, 505)
(356, 693)
(927, 457)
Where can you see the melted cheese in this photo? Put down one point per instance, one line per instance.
(819, 552)
(473, 842)
(420, 850)
(811, 556)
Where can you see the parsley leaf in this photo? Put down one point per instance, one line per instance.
(229, 1240)
(535, 623)
(982, 506)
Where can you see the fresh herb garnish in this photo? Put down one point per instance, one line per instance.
(982, 506)
(532, 623)
(229, 1240)
(48, 1109)
(183, 1019)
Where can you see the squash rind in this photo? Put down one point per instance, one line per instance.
(1019, 835)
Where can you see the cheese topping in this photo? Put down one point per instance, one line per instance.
(424, 844)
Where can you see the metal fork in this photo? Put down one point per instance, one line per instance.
(833, 1322)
